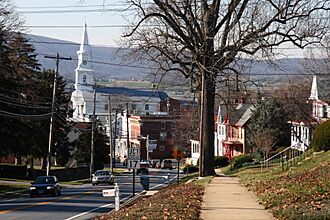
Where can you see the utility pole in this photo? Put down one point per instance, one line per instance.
(91, 167)
(128, 144)
(201, 127)
(50, 140)
(110, 136)
(147, 146)
(115, 136)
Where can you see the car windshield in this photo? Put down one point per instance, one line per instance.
(102, 173)
(45, 179)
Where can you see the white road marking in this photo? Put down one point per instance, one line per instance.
(97, 208)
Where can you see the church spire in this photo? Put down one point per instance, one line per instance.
(84, 71)
(314, 92)
(84, 45)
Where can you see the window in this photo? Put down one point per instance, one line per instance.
(84, 78)
(133, 106)
(325, 111)
(161, 148)
(106, 106)
(163, 125)
(163, 136)
(146, 107)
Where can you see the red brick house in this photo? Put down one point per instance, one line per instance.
(159, 128)
(232, 132)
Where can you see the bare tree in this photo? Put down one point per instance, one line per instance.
(265, 141)
(202, 39)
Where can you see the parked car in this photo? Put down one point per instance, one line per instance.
(166, 164)
(144, 168)
(45, 185)
(102, 176)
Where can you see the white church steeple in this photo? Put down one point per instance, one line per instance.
(84, 72)
(314, 92)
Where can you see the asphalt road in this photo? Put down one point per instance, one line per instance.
(79, 201)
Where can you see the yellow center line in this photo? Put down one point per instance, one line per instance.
(44, 203)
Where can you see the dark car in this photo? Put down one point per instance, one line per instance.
(48, 185)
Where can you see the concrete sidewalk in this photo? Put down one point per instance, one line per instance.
(225, 198)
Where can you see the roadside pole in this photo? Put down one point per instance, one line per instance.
(178, 169)
(91, 167)
(128, 146)
(50, 140)
(177, 154)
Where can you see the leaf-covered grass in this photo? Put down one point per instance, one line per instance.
(303, 192)
(180, 201)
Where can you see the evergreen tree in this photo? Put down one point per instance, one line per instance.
(268, 122)
(101, 150)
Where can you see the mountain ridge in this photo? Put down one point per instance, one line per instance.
(109, 65)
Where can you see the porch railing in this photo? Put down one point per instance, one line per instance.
(285, 159)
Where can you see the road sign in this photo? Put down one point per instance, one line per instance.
(134, 153)
(108, 193)
(133, 164)
(177, 154)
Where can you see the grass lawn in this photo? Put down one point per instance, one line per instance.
(7, 188)
(301, 193)
(178, 201)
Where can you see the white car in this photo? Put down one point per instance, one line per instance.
(102, 176)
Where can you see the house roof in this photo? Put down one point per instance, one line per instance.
(132, 92)
(245, 117)
(238, 116)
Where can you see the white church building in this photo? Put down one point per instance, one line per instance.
(139, 101)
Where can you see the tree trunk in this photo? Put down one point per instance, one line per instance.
(44, 163)
(207, 127)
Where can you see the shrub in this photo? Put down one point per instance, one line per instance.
(13, 171)
(240, 160)
(321, 137)
(221, 161)
(190, 169)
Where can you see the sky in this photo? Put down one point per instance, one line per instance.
(105, 13)
(91, 11)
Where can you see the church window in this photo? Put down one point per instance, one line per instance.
(84, 78)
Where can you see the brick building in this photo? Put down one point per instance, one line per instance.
(159, 128)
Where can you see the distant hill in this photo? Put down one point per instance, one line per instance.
(106, 56)
(103, 56)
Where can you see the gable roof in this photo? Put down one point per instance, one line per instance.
(236, 117)
(245, 117)
(132, 92)
(238, 113)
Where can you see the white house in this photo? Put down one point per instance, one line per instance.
(301, 131)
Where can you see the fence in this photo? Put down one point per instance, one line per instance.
(285, 159)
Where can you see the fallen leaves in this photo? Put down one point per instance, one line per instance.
(181, 201)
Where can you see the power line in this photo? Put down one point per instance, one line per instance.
(71, 6)
(73, 11)
(11, 114)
